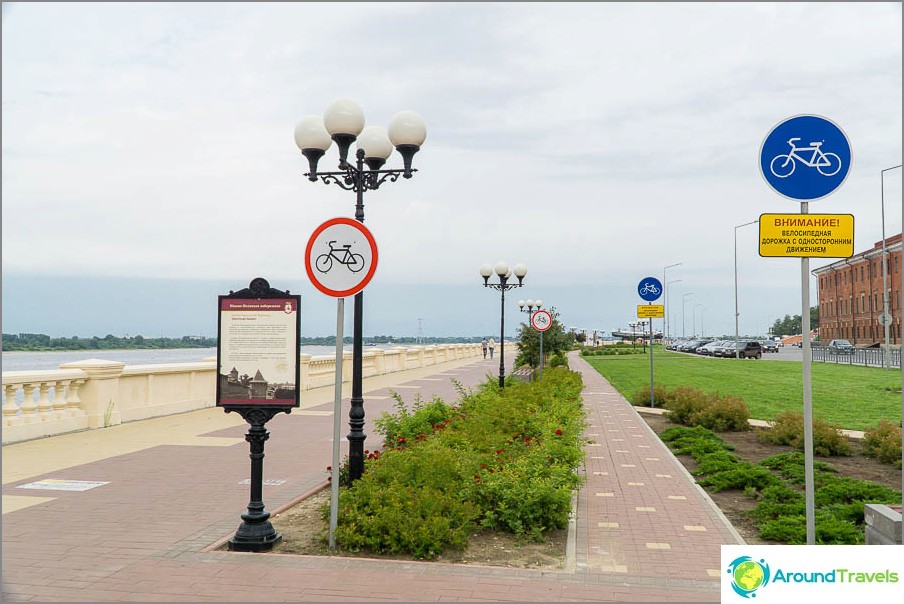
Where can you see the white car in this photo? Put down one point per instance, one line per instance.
(710, 349)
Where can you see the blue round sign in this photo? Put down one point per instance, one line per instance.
(649, 288)
(805, 157)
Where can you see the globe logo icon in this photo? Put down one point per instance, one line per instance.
(748, 575)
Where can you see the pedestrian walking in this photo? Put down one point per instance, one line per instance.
(484, 345)
(492, 346)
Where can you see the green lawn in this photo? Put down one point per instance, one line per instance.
(855, 398)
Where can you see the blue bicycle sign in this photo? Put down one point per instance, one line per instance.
(805, 157)
(649, 289)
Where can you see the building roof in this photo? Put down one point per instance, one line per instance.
(892, 244)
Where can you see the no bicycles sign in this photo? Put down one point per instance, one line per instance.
(341, 257)
(541, 320)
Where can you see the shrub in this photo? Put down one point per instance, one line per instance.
(641, 398)
(559, 360)
(504, 459)
(788, 429)
(418, 520)
(884, 442)
(693, 407)
(683, 402)
(722, 413)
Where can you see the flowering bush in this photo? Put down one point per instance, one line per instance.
(497, 459)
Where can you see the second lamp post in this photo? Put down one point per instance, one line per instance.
(504, 273)
(531, 305)
(343, 122)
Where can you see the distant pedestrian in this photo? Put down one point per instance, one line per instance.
(492, 347)
(484, 345)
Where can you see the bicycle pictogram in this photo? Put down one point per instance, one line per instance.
(649, 288)
(342, 255)
(827, 164)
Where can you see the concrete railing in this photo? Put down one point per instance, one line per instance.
(97, 393)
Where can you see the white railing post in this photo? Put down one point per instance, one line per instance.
(10, 408)
(29, 407)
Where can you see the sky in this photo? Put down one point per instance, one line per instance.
(149, 165)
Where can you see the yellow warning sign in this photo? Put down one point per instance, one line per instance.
(650, 311)
(807, 235)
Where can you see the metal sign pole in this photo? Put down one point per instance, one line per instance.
(808, 392)
(337, 421)
(652, 403)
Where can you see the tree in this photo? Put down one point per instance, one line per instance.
(555, 341)
(791, 326)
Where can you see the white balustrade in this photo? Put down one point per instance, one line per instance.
(97, 393)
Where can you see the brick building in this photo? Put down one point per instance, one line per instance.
(850, 296)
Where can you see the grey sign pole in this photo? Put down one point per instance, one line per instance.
(808, 392)
(337, 421)
(652, 403)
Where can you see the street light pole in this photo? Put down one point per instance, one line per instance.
(683, 307)
(529, 310)
(695, 319)
(665, 315)
(343, 122)
(736, 312)
(885, 318)
(668, 307)
(504, 273)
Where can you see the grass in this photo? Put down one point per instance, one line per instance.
(855, 398)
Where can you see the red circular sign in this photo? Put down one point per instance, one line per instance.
(341, 257)
(541, 320)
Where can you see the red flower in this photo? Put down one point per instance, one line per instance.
(558, 432)
(483, 466)
(329, 468)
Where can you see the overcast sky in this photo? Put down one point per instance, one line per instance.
(594, 142)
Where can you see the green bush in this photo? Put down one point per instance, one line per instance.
(788, 429)
(504, 459)
(641, 398)
(559, 360)
(683, 402)
(884, 442)
(421, 521)
(694, 407)
(780, 513)
(722, 414)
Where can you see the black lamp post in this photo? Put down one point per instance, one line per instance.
(504, 273)
(343, 122)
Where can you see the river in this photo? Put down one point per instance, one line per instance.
(26, 361)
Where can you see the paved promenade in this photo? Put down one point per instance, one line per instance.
(644, 531)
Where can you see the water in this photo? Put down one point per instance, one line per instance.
(27, 361)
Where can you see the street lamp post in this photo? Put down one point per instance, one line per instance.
(504, 273)
(683, 308)
(529, 310)
(668, 307)
(343, 122)
(885, 318)
(531, 304)
(665, 315)
(736, 313)
(701, 319)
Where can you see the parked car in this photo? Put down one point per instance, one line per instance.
(841, 347)
(769, 346)
(746, 349)
(693, 346)
(708, 349)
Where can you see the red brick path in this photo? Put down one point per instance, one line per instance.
(643, 532)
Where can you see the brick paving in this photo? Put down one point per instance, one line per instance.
(644, 531)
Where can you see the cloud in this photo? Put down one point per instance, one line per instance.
(594, 142)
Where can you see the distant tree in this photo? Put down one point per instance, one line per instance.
(555, 341)
(792, 326)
